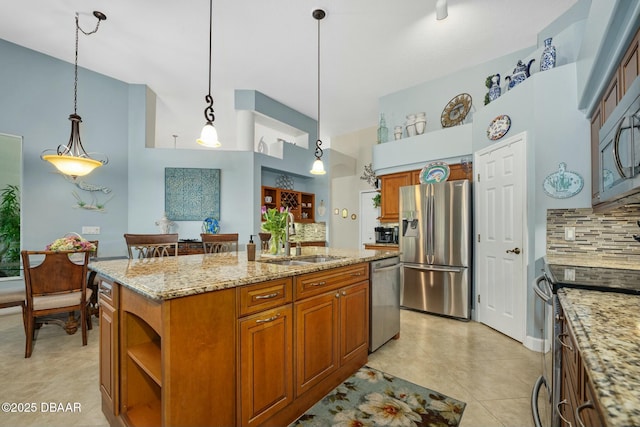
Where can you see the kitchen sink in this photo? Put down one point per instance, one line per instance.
(314, 259)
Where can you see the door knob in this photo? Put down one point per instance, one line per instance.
(514, 251)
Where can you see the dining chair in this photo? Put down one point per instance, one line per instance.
(152, 245)
(55, 282)
(92, 283)
(216, 243)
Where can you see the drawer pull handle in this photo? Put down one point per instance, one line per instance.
(268, 296)
(270, 319)
(585, 405)
(563, 343)
(318, 283)
(564, 402)
(105, 291)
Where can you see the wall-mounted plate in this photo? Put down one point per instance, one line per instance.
(563, 183)
(498, 127)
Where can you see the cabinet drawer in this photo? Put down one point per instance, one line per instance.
(316, 283)
(261, 296)
(108, 293)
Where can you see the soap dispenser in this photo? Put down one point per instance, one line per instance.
(251, 249)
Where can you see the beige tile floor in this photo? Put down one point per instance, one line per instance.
(493, 374)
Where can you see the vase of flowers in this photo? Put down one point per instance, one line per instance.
(275, 222)
(71, 242)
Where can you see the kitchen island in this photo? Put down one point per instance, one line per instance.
(605, 327)
(218, 340)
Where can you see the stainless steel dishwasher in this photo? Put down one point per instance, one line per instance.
(385, 301)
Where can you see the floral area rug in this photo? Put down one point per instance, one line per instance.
(373, 398)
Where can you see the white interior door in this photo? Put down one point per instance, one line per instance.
(501, 236)
(368, 218)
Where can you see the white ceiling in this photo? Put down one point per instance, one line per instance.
(369, 48)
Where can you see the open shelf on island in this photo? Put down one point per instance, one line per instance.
(147, 357)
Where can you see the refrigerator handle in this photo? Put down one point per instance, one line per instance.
(430, 213)
(437, 268)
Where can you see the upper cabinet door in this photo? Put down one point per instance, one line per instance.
(389, 195)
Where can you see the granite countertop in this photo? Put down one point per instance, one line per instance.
(607, 330)
(174, 277)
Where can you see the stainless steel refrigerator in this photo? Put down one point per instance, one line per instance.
(435, 248)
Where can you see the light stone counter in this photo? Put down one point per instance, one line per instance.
(174, 277)
(607, 329)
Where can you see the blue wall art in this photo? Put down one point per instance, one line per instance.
(191, 194)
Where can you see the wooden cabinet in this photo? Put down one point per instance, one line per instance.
(265, 349)
(109, 385)
(332, 323)
(577, 404)
(596, 124)
(259, 354)
(176, 358)
(190, 248)
(630, 65)
(611, 97)
(390, 193)
(301, 205)
(390, 188)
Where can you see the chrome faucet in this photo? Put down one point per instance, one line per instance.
(289, 222)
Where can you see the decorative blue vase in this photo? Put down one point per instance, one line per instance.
(210, 226)
(494, 90)
(548, 59)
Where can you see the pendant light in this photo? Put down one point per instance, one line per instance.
(318, 166)
(209, 134)
(72, 159)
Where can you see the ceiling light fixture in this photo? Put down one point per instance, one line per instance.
(441, 10)
(209, 134)
(72, 159)
(318, 166)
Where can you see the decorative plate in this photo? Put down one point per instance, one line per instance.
(563, 183)
(434, 172)
(498, 127)
(456, 110)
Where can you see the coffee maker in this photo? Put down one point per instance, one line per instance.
(385, 235)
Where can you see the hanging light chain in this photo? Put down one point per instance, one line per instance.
(100, 17)
(318, 14)
(208, 111)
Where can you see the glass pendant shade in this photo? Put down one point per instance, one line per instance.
(318, 168)
(72, 165)
(209, 136)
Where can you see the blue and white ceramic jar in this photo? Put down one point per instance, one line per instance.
(494, 90)
(548, 59)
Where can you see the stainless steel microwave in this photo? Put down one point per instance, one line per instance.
(619, 154)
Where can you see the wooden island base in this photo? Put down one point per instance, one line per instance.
(229, 357)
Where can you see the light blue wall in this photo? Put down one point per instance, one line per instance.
(545, 106)
(37, 98)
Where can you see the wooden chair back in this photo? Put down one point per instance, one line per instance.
(54, 284)
(152, 245)
(217, 243)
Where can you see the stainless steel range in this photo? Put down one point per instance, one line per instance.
(545, 397)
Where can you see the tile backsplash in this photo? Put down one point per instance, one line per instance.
(601, 237)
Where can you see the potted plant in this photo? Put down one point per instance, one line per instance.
(10, 224)
(376, 200)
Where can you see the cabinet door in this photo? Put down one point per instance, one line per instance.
(596, 124)
(108, 356)
(629, 68)
(611, 97)
(354, 321)
(317, 334)
(266, 364)
(390, 190)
